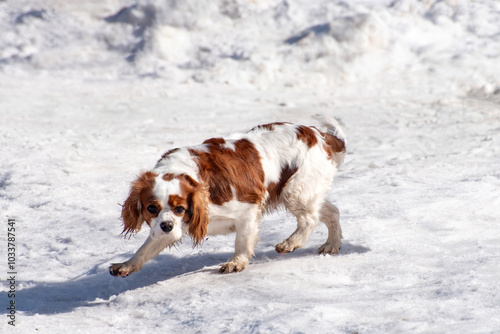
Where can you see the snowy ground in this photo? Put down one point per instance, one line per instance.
(415, 85)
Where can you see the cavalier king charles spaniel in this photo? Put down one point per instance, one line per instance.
(226, 185)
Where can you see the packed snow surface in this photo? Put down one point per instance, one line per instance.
(93, 92)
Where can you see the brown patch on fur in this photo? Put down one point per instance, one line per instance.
(269, 126)
(168, 153)
(275, 188)
(134, 210)
(332, 145)
(307, 135)
(175, 201)
(168, 177)
(223, 169)
(215, 141)
(196, 200)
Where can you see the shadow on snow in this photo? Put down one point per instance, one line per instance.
(97, 286)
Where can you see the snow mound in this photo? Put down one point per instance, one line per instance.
(248, 43)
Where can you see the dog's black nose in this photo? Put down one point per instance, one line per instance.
(167, 226)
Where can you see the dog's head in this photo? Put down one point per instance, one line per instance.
(170, 204)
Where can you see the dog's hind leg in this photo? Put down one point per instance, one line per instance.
(306, 223)
(303, 197)
(329, 215)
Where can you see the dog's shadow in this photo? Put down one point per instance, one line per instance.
(97, 286)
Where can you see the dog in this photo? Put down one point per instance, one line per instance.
(225, 186)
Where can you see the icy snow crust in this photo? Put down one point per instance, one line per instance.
(92, 92)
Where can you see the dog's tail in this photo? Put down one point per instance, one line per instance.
(332, 126)
(334, 137)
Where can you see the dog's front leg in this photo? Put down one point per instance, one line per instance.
(246, 238)
(150, 249)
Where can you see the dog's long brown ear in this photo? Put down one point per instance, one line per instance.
(198, 201)
(132, 208)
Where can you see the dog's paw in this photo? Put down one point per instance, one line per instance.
(284, 248)
(329, 248)
(121, 269)
(231, 267)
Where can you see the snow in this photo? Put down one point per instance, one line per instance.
(93, 92)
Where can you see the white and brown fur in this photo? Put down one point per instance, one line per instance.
(226, 185)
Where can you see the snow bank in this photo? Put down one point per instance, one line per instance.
(253, 43)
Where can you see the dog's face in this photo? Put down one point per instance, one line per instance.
(171, 205)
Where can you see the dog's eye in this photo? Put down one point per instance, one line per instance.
(179, 210)
(153, 209)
